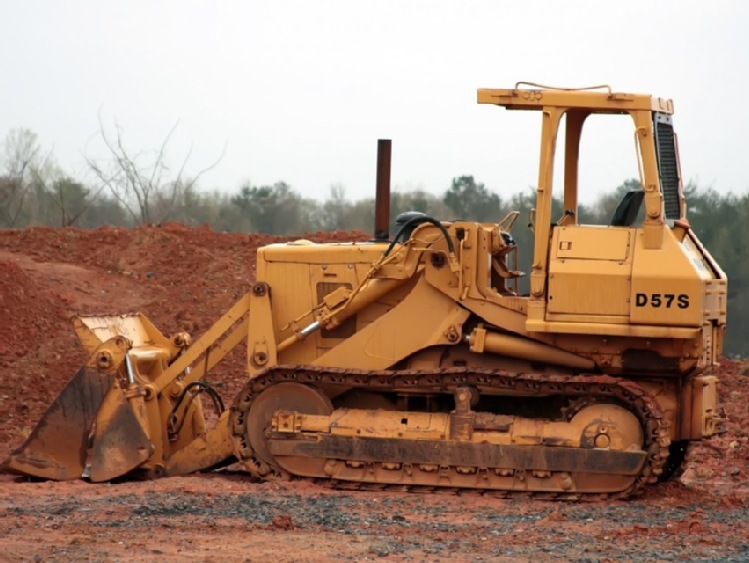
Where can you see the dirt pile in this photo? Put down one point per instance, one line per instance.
(723, 461)
(23, 303)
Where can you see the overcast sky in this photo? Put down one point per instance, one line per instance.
(300, 91)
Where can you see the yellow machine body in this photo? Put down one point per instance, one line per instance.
(415, 362)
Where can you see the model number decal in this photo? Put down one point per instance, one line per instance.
(665, 300)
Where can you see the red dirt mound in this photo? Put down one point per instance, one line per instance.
(724, 459)
(23, 303)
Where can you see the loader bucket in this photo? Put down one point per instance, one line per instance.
(92, 330)
(57, 447)
(119, 441)
(104, 424)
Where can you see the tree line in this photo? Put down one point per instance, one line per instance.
(128, 190)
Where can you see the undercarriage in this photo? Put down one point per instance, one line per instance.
(608, 438)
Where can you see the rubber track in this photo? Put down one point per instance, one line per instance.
(589, 387)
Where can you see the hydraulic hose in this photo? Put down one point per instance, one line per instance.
(416, 221)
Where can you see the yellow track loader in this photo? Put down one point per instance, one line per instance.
(415, 361)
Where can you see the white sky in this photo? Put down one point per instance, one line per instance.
(302, 90)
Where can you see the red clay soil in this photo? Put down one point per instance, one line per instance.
(184, 279)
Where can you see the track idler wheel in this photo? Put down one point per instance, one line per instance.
(291, 397)
(607, 426)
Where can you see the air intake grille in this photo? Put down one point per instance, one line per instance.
(667, 166)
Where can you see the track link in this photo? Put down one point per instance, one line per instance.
(578, 388)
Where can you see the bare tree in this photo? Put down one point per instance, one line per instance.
(33, 188)
(143, 182)
(70, 198)
(20, 151)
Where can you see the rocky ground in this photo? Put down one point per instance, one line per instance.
(183, 279)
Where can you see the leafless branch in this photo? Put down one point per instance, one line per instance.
(144, 190)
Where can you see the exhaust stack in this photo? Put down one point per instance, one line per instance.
(382, 196)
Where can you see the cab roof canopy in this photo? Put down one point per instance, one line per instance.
(597, 99)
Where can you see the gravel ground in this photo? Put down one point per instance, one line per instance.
(224, 516)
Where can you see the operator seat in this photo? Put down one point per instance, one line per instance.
(628, 208)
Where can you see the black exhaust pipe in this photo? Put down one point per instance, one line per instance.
(382, 196)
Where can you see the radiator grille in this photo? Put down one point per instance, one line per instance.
(668, 168)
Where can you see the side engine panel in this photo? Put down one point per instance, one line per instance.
(300, 274)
